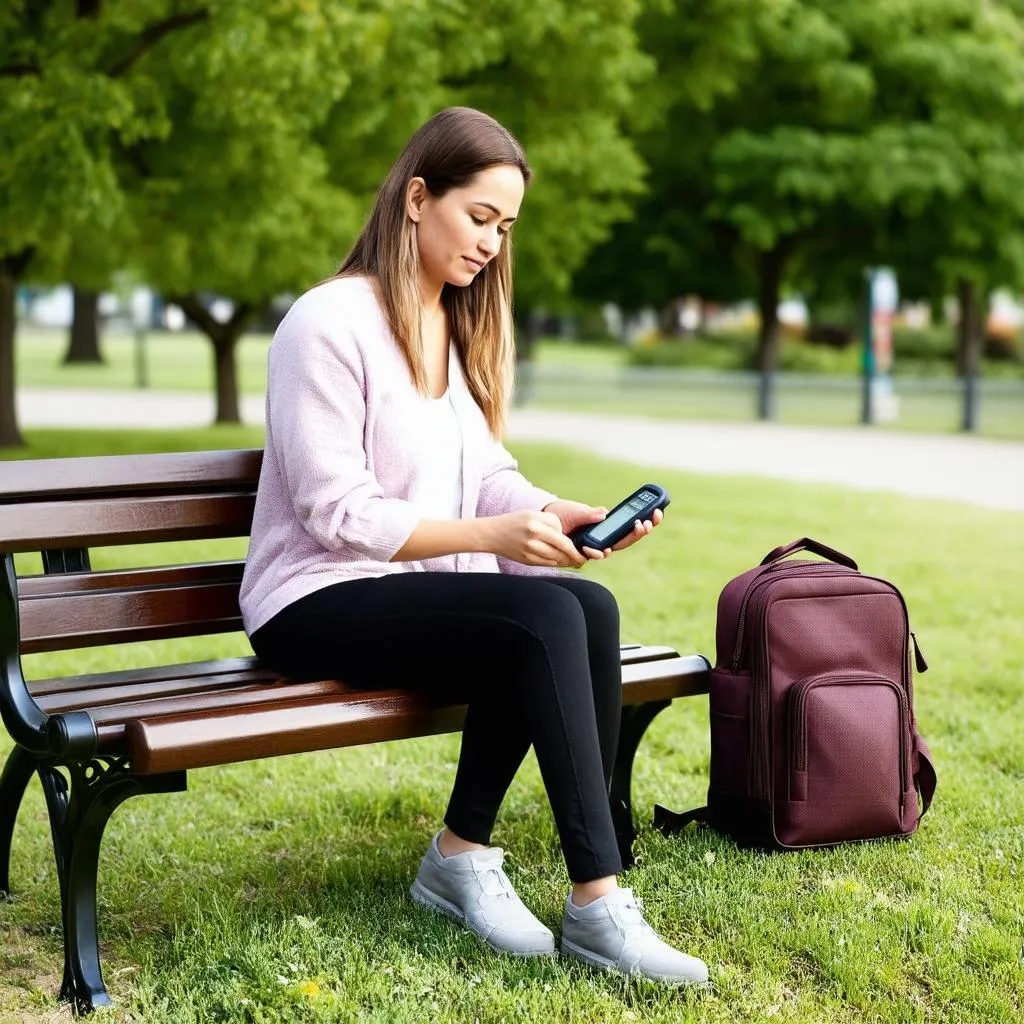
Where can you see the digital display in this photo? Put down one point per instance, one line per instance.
(629, 512)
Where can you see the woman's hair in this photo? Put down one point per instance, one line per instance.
(447, 152)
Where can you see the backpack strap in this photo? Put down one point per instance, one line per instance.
(925, 778)
(668, 822)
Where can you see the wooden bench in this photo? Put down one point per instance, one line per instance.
(95, 740)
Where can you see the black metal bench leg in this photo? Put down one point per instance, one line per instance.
(17, 774)
(633, 724)
(77, 821)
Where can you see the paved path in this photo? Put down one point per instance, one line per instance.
(979, 471)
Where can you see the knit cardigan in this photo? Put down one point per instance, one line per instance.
(344, 440)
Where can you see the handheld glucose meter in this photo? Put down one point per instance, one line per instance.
(619, 523)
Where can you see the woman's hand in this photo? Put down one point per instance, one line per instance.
(574, 514)
(531, 537)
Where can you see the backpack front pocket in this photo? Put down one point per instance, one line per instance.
(848, 760)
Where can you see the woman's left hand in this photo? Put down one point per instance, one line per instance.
(574, 514)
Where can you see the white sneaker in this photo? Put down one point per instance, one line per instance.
(473, 889)
(611, 933)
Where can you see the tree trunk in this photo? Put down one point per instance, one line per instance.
(10, 436)
(669, 319)
(970, 331)
(226, 376)
(224, 337)
(528, 328)
(84, 341)
(770, 267)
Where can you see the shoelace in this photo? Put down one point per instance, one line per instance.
(494, 882)
(628, 915)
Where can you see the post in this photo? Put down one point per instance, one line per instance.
(139, 348)
(971, 333)
(867, 409)
(878, 400)
(139, 317)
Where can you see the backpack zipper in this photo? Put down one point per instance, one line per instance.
(760, 696)
(800, 569)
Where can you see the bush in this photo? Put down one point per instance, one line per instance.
(713, 352)
(1003, 348)
(924, 343)
(918, 352)
(738, 351)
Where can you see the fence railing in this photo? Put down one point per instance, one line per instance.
(810, 399)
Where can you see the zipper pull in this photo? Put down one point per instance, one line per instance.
(922, 665)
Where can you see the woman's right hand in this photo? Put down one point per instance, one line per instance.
(533, 538)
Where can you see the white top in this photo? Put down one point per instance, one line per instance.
(437, 489)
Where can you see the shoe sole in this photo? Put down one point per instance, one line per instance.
(603, 963)
(423, 896)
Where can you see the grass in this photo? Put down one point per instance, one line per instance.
(274, 891)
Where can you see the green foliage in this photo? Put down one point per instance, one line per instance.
(64, 111)
(837, 135)
(563, 76)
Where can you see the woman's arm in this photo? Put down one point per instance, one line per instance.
(529, 537)
(316, 412)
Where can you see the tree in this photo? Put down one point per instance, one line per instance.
(67, 100)
(237, 199)
(802, 118)
(563, 77)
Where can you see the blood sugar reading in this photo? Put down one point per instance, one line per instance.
(623, 515)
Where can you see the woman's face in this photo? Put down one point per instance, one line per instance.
(459, 233)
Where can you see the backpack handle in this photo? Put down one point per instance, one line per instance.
(806, 544)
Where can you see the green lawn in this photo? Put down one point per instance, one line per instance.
(276, 891)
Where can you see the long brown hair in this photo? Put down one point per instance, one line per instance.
(448, 151)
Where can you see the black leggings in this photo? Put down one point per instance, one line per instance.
(535, 658)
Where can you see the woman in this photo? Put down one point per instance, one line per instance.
(393, 534)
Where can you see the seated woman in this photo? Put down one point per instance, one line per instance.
(395, 542)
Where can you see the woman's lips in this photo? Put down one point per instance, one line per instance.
(475, 264)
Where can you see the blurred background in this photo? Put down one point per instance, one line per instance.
(809, 211)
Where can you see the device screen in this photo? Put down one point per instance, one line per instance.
(630, 511)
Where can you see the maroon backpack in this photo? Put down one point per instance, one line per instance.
(813, 738)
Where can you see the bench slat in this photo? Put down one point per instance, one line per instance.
(58, 584)
(100, 688)
(124, 520)
(103, 689)
(184, 741)
(95, 618)
(98, 475)
(164, 677)
(131, 691)
(112, 721)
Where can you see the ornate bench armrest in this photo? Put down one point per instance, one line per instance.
(71, 735)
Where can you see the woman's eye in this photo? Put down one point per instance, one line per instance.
(477, 221)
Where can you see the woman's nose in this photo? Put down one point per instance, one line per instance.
(490, 243)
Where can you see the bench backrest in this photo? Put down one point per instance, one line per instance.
(62, 507)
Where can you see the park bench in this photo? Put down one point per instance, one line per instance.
(96, 740)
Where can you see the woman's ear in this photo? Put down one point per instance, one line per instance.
(415, 194)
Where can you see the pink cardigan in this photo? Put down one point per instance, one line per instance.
(342, 442)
